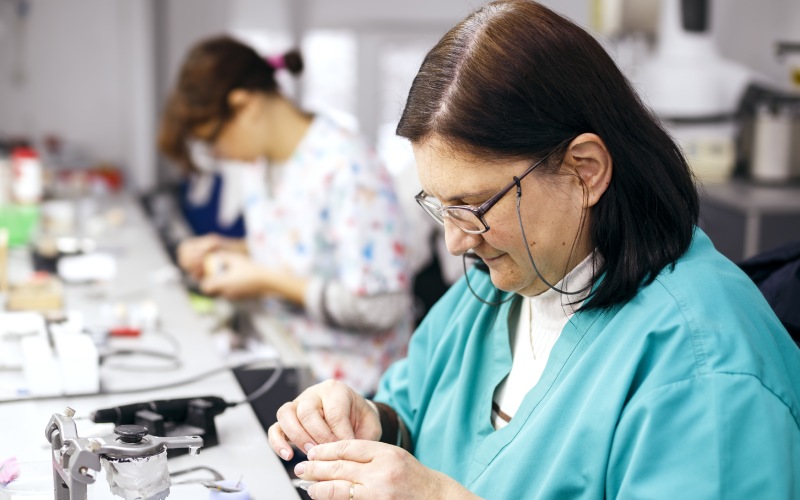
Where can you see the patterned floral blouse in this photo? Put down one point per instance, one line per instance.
(330, 213)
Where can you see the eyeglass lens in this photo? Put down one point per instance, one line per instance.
(462, 218)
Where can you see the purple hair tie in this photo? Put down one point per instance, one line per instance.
(277, 62)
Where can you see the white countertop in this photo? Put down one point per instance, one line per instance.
(243, 452)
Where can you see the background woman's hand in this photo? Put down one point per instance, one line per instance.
(234, 276)
(324, 413)
(192, 252)
(373, 470)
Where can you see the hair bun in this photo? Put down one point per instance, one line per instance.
(293, 61)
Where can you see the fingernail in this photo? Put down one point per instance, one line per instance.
(305, 485)
(312, 453)
(300, 468)
(308, 446)
(284, 453)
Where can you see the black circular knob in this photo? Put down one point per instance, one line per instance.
(130, 433)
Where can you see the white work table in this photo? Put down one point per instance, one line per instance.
(243, 452)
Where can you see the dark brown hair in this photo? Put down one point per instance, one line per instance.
(515, 80)
(211, 70)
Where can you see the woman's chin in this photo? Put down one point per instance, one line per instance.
(502, 282)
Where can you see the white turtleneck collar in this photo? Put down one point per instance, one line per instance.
(551, 307)
(538, 327)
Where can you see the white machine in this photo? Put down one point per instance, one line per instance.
(684, 79)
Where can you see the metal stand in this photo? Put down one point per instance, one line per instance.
(74, 457)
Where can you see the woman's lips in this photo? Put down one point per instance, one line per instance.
(489, 260)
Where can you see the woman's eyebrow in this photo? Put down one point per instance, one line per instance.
(472, 194)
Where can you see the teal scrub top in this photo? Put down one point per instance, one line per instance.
(689, 390)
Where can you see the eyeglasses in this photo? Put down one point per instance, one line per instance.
(466, 217)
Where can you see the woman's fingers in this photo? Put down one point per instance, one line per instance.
(292, 428)
(191, 253)
(337, 490)
(278, 441)
(313, 470)
(186, 258)
(322, 414)
(353, 450)
(337, 466)
(312, 416)
(337, 408)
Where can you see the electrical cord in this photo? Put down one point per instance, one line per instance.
(268, 384)
(173, 357)
(174, 362)
(216, 476)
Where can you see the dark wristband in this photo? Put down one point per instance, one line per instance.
(393, 431)
(389, 423)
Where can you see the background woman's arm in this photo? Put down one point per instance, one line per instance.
(332, 303)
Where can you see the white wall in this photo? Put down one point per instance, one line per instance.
(746, 31)
(97, 71)
(81, 70)
(68, 53)
(180, 24)
(138, 71)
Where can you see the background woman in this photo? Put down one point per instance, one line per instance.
(324, 236)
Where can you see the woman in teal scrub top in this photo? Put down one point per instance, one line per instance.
(602, 347)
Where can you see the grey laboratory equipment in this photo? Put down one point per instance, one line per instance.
(134, 461)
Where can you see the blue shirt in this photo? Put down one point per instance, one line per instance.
(689, 390)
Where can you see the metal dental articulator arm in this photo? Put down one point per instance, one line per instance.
(74, 457)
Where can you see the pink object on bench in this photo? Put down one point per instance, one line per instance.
(9, 470)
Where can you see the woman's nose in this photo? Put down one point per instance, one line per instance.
(457, 241)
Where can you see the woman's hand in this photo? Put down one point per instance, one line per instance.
(234, 276)
(192, 252)
(324, 413)
(360, 470)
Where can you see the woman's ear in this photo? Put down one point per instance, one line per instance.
(588, 155)
(239, 98)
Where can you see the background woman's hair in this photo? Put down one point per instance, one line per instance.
(212, 69)
(513, 81)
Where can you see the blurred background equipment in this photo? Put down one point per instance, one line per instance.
(789, 54)
(134, 461)
(683, 77)
(170, 418)
(768, 143)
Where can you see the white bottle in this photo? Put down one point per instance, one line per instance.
(771, 162)
(26, 168)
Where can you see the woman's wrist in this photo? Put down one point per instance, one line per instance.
(267, 281)
(282, 284)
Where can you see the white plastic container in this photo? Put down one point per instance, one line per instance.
(27, 182)
(772, 145)
(709, 149)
